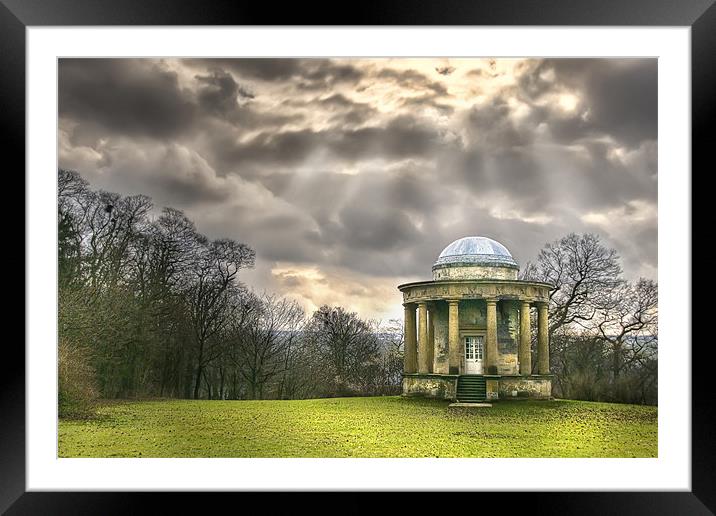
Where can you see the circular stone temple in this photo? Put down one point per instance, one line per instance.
(471, 338)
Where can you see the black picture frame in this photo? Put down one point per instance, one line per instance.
(17, 15)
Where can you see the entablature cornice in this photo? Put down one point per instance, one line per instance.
(516, 290)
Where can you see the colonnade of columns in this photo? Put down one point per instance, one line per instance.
(420, 345)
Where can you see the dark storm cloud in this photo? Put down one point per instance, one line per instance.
(128, 96)
(253, 68)
(309, 74)
(503, 154)
(187, 191)
(170, 173)
(320, 194)
(346, 112)
(516, 173)
(274, 232)
(338, 100)
(497, 157)
(358, 217)
(378, 213)
(371, 226)
(142, 98)
(646, 241)
(219, 92)
(417, 253)
(611, 181)
(286, 148)
(412, 80)
(621, 95)
(402, 137)
(367, 168)
(323, 74)
(536, 177)
(352, 118)
(428, 100)
(411, 188)
(494, 126)
(220, 96)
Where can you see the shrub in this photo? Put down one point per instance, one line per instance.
(77, 383)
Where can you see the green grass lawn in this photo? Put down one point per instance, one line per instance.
(361, 427)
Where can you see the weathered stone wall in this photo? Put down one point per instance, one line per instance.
(474, 272)
(472, 313)
(492, 389)
(497, 388)
(431, 386)
(441, 357)
(525, 387)
(508, 337)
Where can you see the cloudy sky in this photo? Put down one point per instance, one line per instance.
(349, 176)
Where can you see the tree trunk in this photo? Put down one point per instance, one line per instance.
(252, 389)
(197, 383)
(208, 382)
(617, 360)
(199, 369)
(221, 383)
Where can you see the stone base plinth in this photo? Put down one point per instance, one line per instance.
(441, 386)
(525, 387)
(444, 386)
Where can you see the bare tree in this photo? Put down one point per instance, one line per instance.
(162, 261)
(346, 344)
(582, 270)
(628, 321)
(393, 339)
(211, 296)
(146, 299)
(262, 339)
(70, 188)
(579, 365)
(601, 327)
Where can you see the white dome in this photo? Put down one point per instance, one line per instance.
(476, 250)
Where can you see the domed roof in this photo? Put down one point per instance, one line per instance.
(476, 250)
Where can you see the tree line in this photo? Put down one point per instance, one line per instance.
(603, 329)
(148, 307)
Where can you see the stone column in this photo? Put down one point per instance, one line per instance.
(542, 339)
(454, 336)
(431, 338)
(422, 337)
(525, 355)
(410, 363)
(491, 336)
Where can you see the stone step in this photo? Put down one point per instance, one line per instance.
(471, 389)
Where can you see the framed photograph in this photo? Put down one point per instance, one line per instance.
(412, 249)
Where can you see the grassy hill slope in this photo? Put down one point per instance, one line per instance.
(361, 427)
